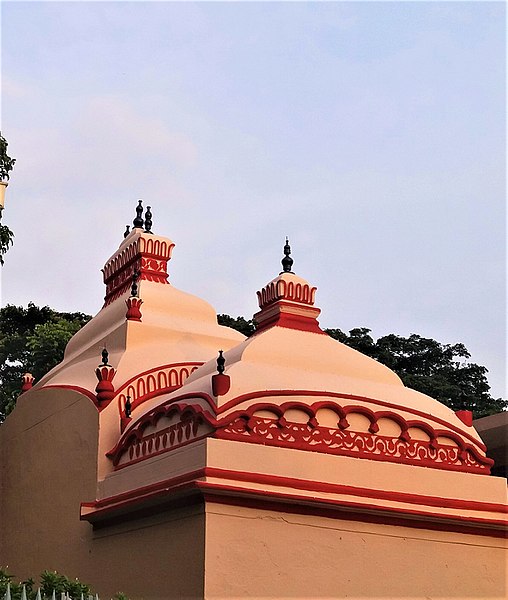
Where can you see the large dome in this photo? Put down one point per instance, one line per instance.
(291, 385)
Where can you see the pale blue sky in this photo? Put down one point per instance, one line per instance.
(373, 134)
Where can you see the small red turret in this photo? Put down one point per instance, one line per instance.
(105, 373)
(28, 381)
(220, 382)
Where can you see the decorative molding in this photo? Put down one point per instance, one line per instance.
(311, 437)
(27, 382)
(290, 501)
(133, 308)
(286, 290)
(149, 256)
(154, 382)
(192, 424)
(337, 399)
(439, 448)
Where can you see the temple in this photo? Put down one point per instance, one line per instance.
(167, 456)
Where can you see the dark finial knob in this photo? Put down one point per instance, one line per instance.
(134, 286)
(128, 407)
(127, 231)
(221, 361)
(138, 221)
(148, 220)
(105, 358)
(287, 261)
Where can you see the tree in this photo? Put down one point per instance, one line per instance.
(6, 162)
(32, 340)
(6, 239)
(240, 324)
(441, 371)
(6, 166)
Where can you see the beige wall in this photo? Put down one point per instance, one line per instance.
(48, 466)
(263, 554)
(48, 458)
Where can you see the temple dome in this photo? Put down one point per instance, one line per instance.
(290, 384)
(175, 327)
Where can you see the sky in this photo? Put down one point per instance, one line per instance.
(372, 134)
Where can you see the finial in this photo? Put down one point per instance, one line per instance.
(138, 221)
(148, 220)
(134, 286)
(287, 261)
(105, 358)
(127, 231)
(128, 407)
(221, 361)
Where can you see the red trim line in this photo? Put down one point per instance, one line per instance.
(332, 488)
(144, 491)
(332, 512)
(228, 494)
(74, 388)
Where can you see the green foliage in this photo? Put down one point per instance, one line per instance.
(441, 371)
(49, 581)
(240, 324)
(6, 162)
(6, 237)
(32, 340)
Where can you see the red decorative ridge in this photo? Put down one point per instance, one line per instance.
(154, 382)
(175, 435)
(336, 395)
(244, 425)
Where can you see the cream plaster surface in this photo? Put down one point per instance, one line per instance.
(48, 466)
(253, 553)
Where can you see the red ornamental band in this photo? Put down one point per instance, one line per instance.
(458, 454)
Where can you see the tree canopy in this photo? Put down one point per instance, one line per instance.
(33, 339)
(442, 371)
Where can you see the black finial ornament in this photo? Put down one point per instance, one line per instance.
(134, 286)
(105, 358)
(221, 361)
(287, 261)
(128, 407)
(127, 231)
(148, 220)
(138, 221)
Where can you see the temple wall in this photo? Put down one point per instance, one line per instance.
(48, 452)
(48, 448)
(258, 553)
(153, 558)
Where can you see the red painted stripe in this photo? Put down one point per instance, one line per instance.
(74, 388)
(332, 488)
(350, 515)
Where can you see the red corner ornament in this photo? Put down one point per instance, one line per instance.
(466, 416)
(220, 382)
(28, 381)
(105, 372)
(133, 309)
